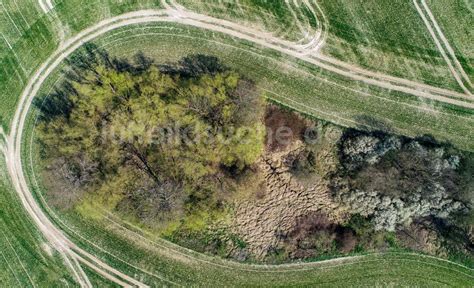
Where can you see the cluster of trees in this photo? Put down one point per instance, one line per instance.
(400, 192)
(315, 234)
(163, 143)
(394, 181)
(153, 141)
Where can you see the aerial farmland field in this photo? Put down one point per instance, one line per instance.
(236, 143)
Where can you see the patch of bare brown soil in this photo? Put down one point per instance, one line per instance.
(283, 127)
(263, 223)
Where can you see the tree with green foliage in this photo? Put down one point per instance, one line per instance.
(150, 142)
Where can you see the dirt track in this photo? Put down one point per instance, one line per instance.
(448, 47)
(451, 60)
(350, 71)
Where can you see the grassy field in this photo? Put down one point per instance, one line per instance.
(370, 34)
(299, 85)
(158, 262)
(456, 18)
(25, 258)
(277, 17)
(96, 279)
(375, 35)
(410, 43)
(23, 27)
(76, 15)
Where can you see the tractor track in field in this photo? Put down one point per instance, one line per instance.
(448, 47)
(180, 15)
(46, 5)
(72, 253)
(443, 46)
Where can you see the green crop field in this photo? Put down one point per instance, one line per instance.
(456, 18)
(157, 40)
(25, 257)
(76, 15)
(382, 39)
(281, 18)
(22, 28)
(369, 34)
(372, 34)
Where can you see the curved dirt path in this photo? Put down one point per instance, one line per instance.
(320, 38)
(69, 250)
(183, 16)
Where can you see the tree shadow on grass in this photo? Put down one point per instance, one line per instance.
(370, 124)
(194, 66)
